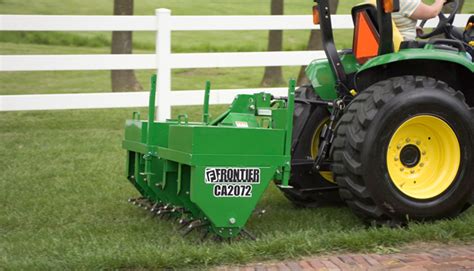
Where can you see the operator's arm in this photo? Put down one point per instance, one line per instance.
(425, 12)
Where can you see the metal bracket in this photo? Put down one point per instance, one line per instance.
(328, 134)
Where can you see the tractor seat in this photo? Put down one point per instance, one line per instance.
(469, 32)
(412, 44)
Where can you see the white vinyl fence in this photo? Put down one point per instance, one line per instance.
(163, 60)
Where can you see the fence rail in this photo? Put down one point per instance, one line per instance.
(163, 60)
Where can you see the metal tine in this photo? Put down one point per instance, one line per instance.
(169, 215)
(178, 209)
(135, 199)
(184, 223)
(154, 207)
(248, 234)
(217, 238)
(174, 211)
(205, 235)
(161, 213)
(147, 205)
(163, 208)
(194, 225)
(191, 227)
(261, 213)
(142, 202)
(178, 218)
(157, 208)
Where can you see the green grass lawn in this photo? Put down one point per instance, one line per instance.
(64, 192)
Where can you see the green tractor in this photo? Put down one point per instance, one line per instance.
(397, 141)
(387, 128)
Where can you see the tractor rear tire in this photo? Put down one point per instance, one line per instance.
(310, 189)
(404, 150)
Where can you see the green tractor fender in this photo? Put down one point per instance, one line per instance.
(322, 77)
(451, 67)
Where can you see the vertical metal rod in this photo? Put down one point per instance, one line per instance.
(289, 116)
(205, 113)
(179, 178)
(289, 130)
(151, 121)
(151, 105)
(163, 60)
(385, 29)
(330, 47)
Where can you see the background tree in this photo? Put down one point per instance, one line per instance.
(315, 43)
(273, 75)
(123, 80)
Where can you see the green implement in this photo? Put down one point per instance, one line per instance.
(211, 175)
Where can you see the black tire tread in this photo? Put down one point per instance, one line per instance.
(351, 133)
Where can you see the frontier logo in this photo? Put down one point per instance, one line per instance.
(232, 175)
(232, 182)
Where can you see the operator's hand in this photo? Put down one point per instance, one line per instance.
(419, 31)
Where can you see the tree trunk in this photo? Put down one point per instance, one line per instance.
(273, 75)
(123, 80)
(315, 43)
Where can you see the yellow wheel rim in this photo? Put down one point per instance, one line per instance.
(423, 157)
(327, 175)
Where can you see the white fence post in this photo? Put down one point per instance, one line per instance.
(163, 55)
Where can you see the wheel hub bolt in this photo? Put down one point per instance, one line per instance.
(422, 164)
(402, 169)
(396, 158)
(418, 142)
(412, 171)
(408, 140)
